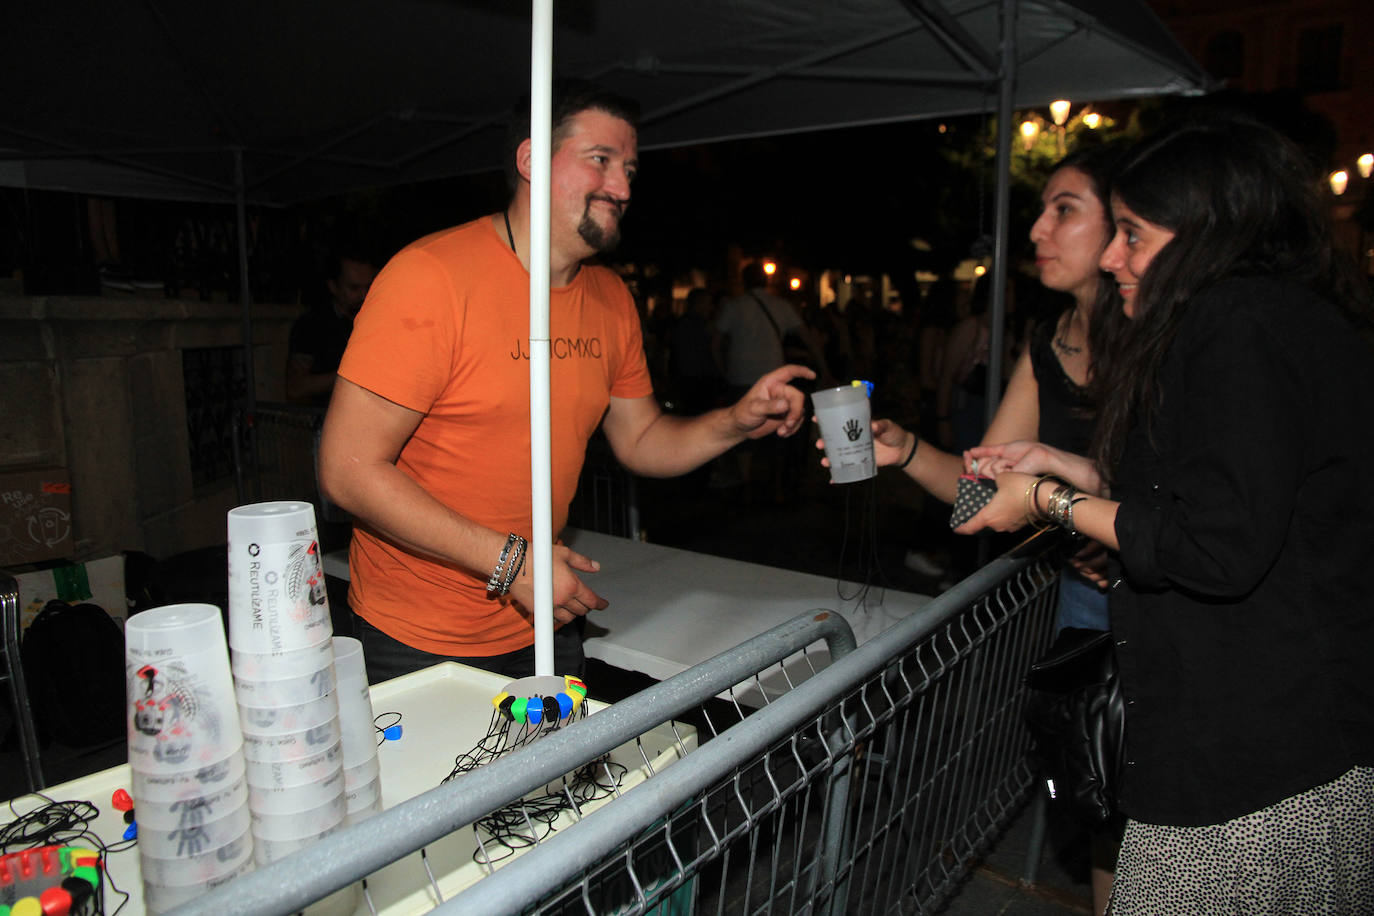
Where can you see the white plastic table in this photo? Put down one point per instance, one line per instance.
(671, 609)
(445, 710)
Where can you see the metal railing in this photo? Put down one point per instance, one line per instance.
(276, 447)
(873, 785)
(12, 669)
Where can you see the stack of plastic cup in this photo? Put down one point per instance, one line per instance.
(283, 665)
(186, 762)
(362, 774)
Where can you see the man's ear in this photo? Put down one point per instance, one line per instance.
(523, 154)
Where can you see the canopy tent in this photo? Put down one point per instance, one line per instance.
(159, 99)
(282, 103)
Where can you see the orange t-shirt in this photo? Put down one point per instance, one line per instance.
(445, 331)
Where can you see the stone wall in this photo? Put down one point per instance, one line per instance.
(95, 385)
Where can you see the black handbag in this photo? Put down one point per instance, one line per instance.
(1077, 721)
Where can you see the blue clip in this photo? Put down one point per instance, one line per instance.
(867, 385)
(391, 733)
(131, 831)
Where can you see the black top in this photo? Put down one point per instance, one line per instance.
(1066, 420)
(1245, 625)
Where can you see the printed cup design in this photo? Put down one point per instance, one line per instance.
(292, 746)
(180, 715)
(199, 867)
(197, 833)
(181, 812)
(277, 600)
(173, 785)
(280, 774)
(845, 421)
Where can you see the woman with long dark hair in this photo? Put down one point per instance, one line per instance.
(1048, 396)
(1230, 481)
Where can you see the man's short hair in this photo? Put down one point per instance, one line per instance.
(571, 97)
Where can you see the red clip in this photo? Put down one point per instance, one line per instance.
(121, 800)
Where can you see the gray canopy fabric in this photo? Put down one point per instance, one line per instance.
(171, 100)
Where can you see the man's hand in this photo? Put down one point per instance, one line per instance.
(772, 405)
(571, 597)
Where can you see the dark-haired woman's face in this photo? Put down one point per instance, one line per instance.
(1070, 234)
(1131, 250)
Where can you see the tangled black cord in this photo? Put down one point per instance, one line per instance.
(870, 565)
(529, 821)
(63, 823)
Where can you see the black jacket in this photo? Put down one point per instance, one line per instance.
(1245, 621)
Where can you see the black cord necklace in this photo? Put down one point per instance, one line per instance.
(510, 236)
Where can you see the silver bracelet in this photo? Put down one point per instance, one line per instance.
(498, 574)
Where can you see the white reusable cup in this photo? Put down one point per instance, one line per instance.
(302, 797)
(271, 666)
(844, 418)
(277, 598)
(355, 702)
(181, 711)
(204, 781)
(261, 721)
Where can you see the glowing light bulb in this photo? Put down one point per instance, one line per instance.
(1365, 164)
(1028, 131)
(770, 268)
(1092, 120)
(1059, 110)
(1339, 180)
(795, 283)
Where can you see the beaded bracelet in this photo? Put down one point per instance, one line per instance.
(498, 574)
(517, 563)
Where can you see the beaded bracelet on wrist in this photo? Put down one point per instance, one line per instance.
(516, 564)
(496, 583)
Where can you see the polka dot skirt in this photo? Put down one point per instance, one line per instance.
(1309, 855)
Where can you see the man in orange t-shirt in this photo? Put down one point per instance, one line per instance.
(427, 439)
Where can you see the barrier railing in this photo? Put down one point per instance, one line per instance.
(275, 450)
(877, 781)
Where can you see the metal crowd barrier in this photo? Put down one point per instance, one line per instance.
(275, 450)
(875, 784)
(12, 675)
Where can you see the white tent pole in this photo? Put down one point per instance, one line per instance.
(541, 93)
